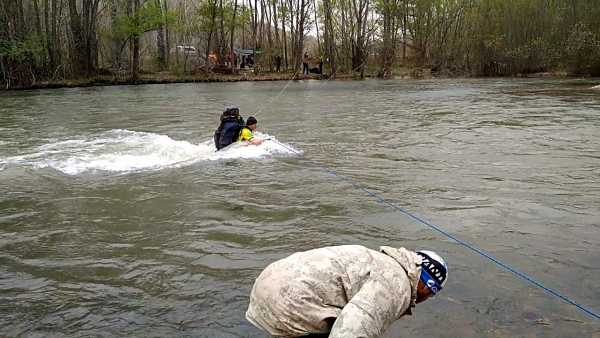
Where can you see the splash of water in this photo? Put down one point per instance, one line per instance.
(125, 150)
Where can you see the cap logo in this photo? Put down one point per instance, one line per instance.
(433, 270)
(431, 284)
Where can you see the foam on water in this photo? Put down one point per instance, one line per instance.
(125, 150)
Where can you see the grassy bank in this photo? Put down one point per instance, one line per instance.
(105, 80)
(163, 78)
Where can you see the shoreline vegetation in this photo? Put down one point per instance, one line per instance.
(77, 43)
(168, 78)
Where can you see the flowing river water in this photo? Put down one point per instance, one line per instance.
(117, 218)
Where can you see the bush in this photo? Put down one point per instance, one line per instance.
(582, 52)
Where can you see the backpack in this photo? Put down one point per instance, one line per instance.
(228, 132)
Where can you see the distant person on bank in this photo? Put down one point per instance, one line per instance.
(305, 63)
(343, 291)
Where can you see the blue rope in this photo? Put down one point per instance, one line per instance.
(381, 199)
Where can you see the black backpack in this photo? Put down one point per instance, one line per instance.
(228, 131)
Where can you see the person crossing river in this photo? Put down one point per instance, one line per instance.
(246, 133)
(232, 129)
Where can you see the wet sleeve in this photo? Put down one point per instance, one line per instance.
(371, 311)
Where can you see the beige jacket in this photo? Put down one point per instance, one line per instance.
(365, 290)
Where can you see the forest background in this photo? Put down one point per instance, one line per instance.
(50, 43)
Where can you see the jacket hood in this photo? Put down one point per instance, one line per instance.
(411, 263)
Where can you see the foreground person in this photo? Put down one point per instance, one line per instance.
(343, 291)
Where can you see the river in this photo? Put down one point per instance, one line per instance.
(117, 218)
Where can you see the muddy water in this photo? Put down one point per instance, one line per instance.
(118, 219)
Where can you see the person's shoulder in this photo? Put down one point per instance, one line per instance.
(351, 251)
(350, 247)
(337, 250)
(246, 133)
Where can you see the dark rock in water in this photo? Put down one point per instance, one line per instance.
(530, 312)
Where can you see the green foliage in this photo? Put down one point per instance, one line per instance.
(22, 50)
(481, 37)
(505, 37)
(147, 18)
(582, 52)
(206, 10)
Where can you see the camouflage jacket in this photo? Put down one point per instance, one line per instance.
(349, 291)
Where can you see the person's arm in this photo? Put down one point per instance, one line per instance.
(253, 140)
(257, 141)
(372, 310)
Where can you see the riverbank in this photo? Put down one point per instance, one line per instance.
(157, 78)
(105, 80)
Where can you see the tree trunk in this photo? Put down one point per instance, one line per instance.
(285, 46)
(276, 23)
(404, 24)
(320, 51)
(222, 44)
(167, 33)
(261, 34)
(268, 13)
(254, 37)
(77, 51)
(293, 44)
(115, 48)
(92, 39)
(85, 47)
(160, 42)
(329, 40)
(213, 15)
(232, 30)
(47, 40)
(300, 30)
(38, 18)
(136, 46)
(54, 53)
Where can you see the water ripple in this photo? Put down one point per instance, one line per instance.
(118, 219)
